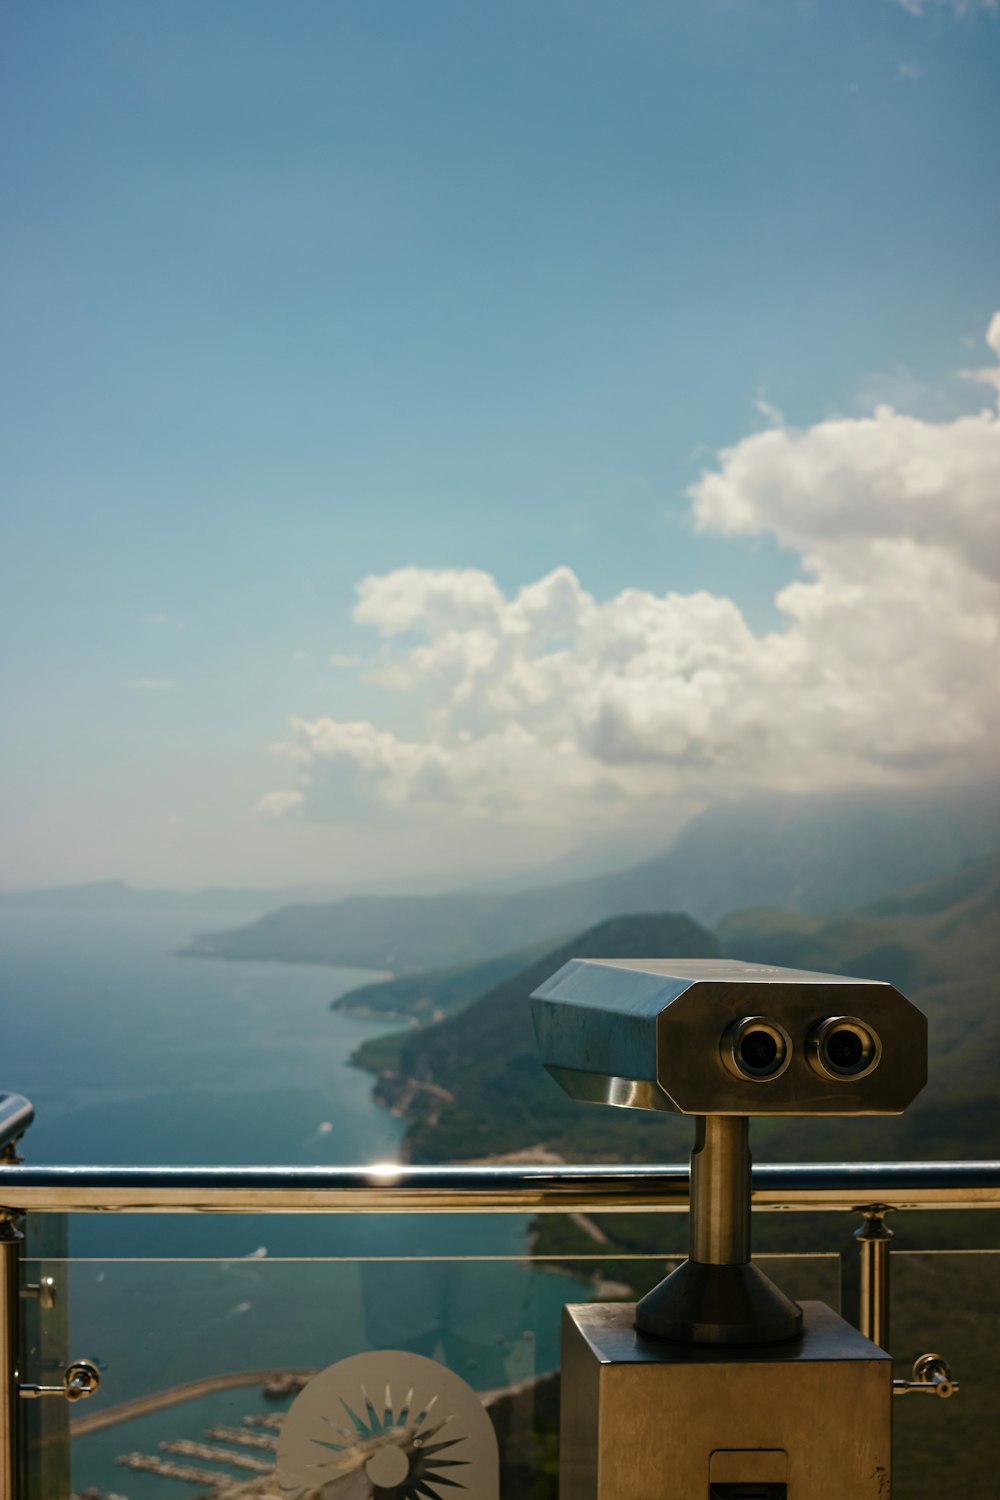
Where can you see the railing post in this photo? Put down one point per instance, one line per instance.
(874, 1239)
(11, 1241)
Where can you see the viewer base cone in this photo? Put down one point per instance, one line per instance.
(709, 1304)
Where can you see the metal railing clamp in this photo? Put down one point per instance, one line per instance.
(80, 1379)
(932, 1375)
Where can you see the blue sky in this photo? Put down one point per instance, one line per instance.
(293, 296)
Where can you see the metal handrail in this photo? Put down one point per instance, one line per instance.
(872, 1188)
(394, 1188)
(16, 1114)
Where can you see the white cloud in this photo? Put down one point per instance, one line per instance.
(861, 481)
(959, 7)
(551, 707)
(911, 71)
(990, 375)
(767, 409)
(279, 804)
(409, 598)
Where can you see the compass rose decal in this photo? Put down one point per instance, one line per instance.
(388, 1426)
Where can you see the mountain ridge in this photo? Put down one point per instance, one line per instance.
(472, 1085)
(119, 895)
(819, 855)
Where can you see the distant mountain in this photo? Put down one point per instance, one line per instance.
(430, 996)
(602, 856)
(117, 896)
(816, 855)
(472, 1085)
(916, 939)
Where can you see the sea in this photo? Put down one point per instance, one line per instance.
(133, 1054)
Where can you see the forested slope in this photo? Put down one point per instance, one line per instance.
(489, 1093)
(472, 1085)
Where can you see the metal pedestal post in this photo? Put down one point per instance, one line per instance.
(11, 1241)
(874, 1238)
(718, 1296)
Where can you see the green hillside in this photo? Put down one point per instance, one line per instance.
(434, 994)
(472, 1086)
(940, 944)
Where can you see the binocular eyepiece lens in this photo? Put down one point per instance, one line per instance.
(756, 1048)
(844, 1047)
(758, 1051)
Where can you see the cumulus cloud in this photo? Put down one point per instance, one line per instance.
(549, 705)
(990, 375)
(959, 7)
(880, 479)
(280, 804)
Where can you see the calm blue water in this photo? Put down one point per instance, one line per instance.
(132, 1054)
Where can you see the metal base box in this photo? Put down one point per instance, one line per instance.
(647, 1419)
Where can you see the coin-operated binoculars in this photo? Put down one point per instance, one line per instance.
(716, 1386)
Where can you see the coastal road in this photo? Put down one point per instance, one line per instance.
(174, 1395)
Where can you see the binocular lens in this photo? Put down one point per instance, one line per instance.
(844, 1047)
(756, 1048)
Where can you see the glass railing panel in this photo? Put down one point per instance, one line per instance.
(207, 1350)
(201, 1359)
(44, 1310)
(201, 1356)
(948, 1303)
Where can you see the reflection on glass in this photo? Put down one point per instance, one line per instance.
(201, 1359)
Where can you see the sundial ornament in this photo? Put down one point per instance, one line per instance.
(387, 1425)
